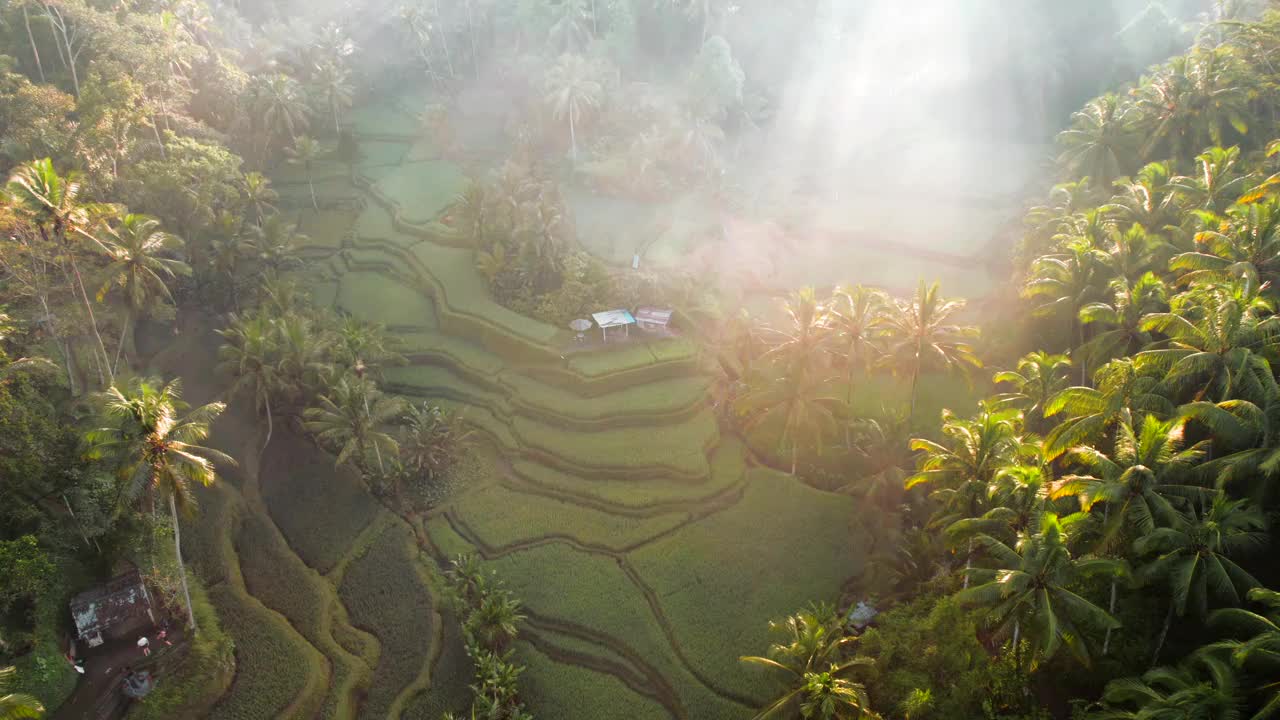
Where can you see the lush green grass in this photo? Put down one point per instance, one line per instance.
(296, 197)
(657, 398)
(449, 679)
(326, 229)
(562, 583)
(500, 517)
(454, 269)
(274, 575)
(375, 153)
(273, 663)
(381, 117)
(558, 690)
(375, 298)
(678, 448)
(449, 543)
(386, 596)
(206, 536)
(466, 356)
(319, 508)
(727, 466)
(421, 190)
(782, 546)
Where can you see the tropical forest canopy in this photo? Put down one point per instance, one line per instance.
(968, 407)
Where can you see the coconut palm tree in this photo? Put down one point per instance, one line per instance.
(494, 621)
(797, 403)
(305, 152)
(1026, 590)
(1101, 142)
(571, 31)
(275, 245)
(920, 336)
(17, 706)
(1218, 182)
(1247, 238)
(1062, 284)
(349, 419)
(331, 86)
(154, 437)
(279, 105)
(51, 203)
(136, 248)
(1038, 377)
(962, 469)
(802, 345)
(432, 440)
(1092, 413)
(814, 656)
(573, 91)
(259, 196)
(857, 317)
(1218, 340)
(1147, 199)
(1193, 554)
(1203, 688)
(1120, 321)
(1259, 653)
(1191, 100)
(250, 357)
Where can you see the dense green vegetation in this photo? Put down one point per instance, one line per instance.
(352, 236)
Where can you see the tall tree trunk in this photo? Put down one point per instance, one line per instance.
(182, 568)
(267, 401)
(312, 186)
(573, 136)
(35, 51)
(595, 29)
(155, 128)
(120, 345)
(88, 306)
(1017, 652)
(1084, 366)
(1106, 641)
(471, 32)
(1164, 632)
(968, 563)
(377, 450)
(67, 502)
(444, 42)
(794, 455)
(337, 125)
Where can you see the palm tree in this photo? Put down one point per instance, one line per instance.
(1260, 652)
(857, 316)
(1189, 102)
(51, 203)
(571, 32)
(1038, 377)
(1028, 589)
(331, 86)
(17, 706)
(305, 152)
(1218, 341)
(1147, 199)
(259, 195)
(1100, 143)
(493, 621)
(802, 346)
(799, 401)
(813, 654)
(1193, 554)
(275, 245)
(249, 355)
(1121, 319)
(1063, 284)
(1140, 479)
(573, 91)
(1246, 239)
(963, 471)
(919, 336)
(1203, 688)
(1092, 413)
(156, 446)
(432, 439)
(279, 105)
(349, 418)
(1217, 185)
(136, 248)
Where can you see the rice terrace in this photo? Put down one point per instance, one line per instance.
(638, 360)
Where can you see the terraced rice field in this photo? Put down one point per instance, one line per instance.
(649, 551)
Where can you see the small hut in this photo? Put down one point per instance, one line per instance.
(120, 609)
